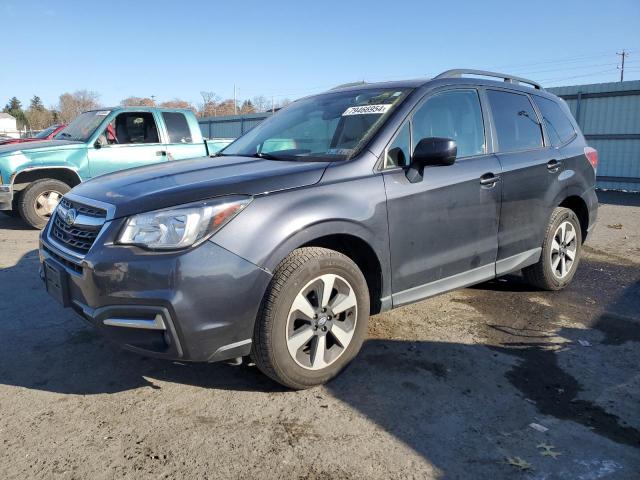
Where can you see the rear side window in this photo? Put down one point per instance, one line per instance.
(177, 127)
(559, 128)
(515, 121)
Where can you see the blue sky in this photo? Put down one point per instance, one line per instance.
(293, 48)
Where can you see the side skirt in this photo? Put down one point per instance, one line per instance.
(465, 279)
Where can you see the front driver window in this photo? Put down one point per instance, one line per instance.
(455, 114)
(131, 128)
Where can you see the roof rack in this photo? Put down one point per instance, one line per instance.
(457, 73)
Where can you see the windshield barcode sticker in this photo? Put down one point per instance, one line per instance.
(367, 110)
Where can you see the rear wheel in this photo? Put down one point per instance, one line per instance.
(38, 201)
(313, 319)
(560, 252)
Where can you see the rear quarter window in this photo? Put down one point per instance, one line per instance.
(559, 127)
(177, 127)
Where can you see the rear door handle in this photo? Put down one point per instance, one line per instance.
(553, 165)
(161, 153)
(489, 179)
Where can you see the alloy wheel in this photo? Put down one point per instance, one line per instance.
(321, 321)
(564, 247)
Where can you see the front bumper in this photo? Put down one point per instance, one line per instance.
(193, 305)
(6, 197)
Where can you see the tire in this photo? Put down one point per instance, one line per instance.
(27, 207)
(557, 250)
(310, 271)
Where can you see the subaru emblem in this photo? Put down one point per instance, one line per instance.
(70, 216)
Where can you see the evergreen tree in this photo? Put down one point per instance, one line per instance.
(14, 108)
(36, 104)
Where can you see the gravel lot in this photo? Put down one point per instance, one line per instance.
(446, 388)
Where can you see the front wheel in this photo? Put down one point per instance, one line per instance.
(313, 319)
(560, 252)
(38, 201)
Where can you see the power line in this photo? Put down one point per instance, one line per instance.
(576, 76)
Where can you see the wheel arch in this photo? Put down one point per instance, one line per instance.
(24, 177)
(346, 238)
(577, 205)
(363, 255)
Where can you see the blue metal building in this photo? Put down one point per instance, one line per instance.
(609, 116)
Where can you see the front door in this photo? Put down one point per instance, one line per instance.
(444, 228)
(130, 139)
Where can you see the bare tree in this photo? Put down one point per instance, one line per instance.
(261, 103)
(38, 119)
(37, 116)
(138, 102)
(73, 104)
(208, 107)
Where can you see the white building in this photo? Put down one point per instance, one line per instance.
(8, 126)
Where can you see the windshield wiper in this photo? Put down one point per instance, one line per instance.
(266, 156)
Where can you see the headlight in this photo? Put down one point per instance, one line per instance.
(183, 226)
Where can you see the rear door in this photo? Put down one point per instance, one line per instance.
(443, 229)
(130, 139)
(183, 140)
(529, 177)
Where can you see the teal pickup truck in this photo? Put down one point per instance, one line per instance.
(35, 175)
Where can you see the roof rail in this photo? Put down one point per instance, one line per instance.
(350, 84)
(457, 73)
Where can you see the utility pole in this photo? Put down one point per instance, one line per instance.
(235, 100)
(623, 54)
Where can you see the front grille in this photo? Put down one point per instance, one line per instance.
(83, 209)
(76, 237)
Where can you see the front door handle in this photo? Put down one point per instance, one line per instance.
(553, 165)
(161, 153)
(489, 179)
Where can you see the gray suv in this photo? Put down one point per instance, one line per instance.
(342, 205)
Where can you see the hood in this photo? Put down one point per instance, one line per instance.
(168, 184)
(40, 146)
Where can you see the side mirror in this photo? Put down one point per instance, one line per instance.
(432, 151)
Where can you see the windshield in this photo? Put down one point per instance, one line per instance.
(83, 126)
(46, 132)
(331, 126)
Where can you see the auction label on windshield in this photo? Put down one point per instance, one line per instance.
(367, 110)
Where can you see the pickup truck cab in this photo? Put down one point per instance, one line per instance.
(34, 176)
